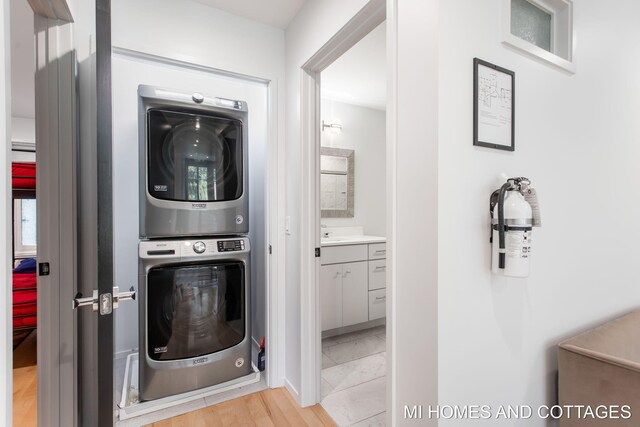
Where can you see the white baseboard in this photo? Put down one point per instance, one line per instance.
(294, 392)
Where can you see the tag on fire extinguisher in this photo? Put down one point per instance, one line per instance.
(531, 196)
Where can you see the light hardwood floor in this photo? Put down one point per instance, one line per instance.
(273, 407)
(25, 394)
(267, 408)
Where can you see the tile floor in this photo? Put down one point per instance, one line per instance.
(353, 377)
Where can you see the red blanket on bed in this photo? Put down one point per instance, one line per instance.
(25, 297)
(23, 175)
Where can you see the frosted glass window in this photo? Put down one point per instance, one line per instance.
(531, 23)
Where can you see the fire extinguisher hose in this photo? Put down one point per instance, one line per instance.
(501, 227)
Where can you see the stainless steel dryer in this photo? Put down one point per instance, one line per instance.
(193, 164)
(195, 326)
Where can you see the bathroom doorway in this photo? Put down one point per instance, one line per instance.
(352, 211)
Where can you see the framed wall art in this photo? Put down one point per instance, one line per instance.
(493, 106)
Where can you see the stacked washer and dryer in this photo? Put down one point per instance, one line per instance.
(194, 250)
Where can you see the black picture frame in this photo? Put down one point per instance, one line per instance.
(491, 130)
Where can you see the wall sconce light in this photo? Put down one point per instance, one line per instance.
(334, 128)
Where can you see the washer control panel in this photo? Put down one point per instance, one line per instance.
(230, 245)
(190, 249)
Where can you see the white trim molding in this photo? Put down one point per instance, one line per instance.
(6, 324)
(562, 53)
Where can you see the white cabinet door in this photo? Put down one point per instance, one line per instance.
(377, 304)
(331, 296)
(355, 288)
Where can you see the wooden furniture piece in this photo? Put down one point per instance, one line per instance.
(602, 367)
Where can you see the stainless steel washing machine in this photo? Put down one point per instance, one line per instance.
(193, 164)
(195, 326)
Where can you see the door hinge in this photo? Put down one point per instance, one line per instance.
(317, 252)
(270, 250)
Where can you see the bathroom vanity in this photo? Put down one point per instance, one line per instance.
(352, 280)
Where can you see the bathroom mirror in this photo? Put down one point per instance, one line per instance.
(336, 182)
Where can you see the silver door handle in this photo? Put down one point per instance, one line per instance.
(109, 303)
(380, 298)
(381, 267)
(123, 296)
(380, 251)
(79, 301)
(346, 272)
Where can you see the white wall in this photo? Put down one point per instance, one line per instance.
(315, 24)
(363, 130)
(577, 140)
(23, 137)
(412, 213)
(201, 36)
(23, 129)
(192, 32)
(6, 385)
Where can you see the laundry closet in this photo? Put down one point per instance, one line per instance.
(189, 229)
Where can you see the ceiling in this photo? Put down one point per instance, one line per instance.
(359, 76)
(277, 13)
(23, 91)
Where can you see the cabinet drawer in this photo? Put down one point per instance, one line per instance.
(377, 274)
(340, 254)
(377, 304)
(377, 250)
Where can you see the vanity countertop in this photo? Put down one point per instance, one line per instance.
(351, 240)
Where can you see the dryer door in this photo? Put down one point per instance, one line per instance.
(193, 157)
(193, 310)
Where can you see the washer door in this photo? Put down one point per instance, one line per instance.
(193, 310)
(193, 157)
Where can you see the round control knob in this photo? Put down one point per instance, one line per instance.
(197, 98)
(199, 247)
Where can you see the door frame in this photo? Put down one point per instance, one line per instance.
(367, 19)
(6, 325)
